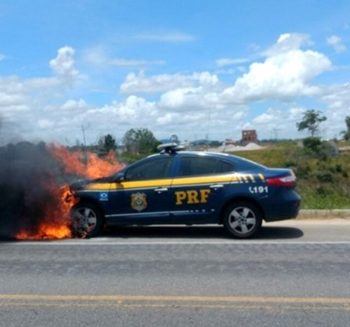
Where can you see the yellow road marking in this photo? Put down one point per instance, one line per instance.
(151, 302)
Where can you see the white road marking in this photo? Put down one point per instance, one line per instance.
(99, 242)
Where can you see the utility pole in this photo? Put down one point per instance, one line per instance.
(208, 131)
(84, 145)
(275, 133)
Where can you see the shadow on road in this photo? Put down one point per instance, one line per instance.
(193, 232)
(279, 233)
(190, 232)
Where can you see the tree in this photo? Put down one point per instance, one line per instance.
(346, 134)
(107, 143)
(140, 141)
(311, 121)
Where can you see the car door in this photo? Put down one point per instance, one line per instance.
(142, 194)
(198, 185)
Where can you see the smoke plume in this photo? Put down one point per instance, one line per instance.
(28, 175)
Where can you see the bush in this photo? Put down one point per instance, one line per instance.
(325, 177)
(328, 150)
(322, 191)
(338, 168)
(289, 163)
(312, 144)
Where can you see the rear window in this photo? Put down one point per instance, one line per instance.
(243, 164)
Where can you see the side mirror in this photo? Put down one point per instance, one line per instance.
(119, 178)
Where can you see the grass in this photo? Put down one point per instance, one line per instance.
(322, 181)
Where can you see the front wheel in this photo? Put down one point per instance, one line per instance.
(86, 220)
(242, 219)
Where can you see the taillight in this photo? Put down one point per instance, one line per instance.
(284, 181)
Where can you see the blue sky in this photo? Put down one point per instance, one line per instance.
(191, 68)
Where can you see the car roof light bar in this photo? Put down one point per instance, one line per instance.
(170, 147)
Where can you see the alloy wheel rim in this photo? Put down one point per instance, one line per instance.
(84, 220)
(242, 220)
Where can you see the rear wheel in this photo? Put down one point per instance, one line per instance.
(86, 220)
(242, 219)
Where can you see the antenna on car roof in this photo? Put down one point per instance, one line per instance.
(170, 147)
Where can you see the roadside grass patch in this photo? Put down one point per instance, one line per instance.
(322, 177)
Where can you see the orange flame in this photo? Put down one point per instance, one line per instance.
(57, 223)
(86, 164)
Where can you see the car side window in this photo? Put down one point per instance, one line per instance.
(158, 168)
(197, 166)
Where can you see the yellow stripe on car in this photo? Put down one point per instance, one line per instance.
(181, 181)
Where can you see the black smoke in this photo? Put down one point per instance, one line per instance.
(27, 174)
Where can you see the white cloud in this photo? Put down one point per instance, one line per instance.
(265, 118)
(336, 43)
(171, 37)
(26, 102)
(11, 99)
(96, 55)
(337, 99)
(190, 105)
(74, 105)
(191, 99)
(45, 123)
(222, 62)
(130, 111)
(99, 56)
(63, 65)
(279, 123)
(139, 83)
(14, 101)
(288, 42)
(180, 98)
(285, 73)
(134, 62)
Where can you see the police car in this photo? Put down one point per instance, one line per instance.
(185, 187)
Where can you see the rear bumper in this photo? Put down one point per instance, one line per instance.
(286, 207)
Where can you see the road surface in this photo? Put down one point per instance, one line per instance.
(296, 273)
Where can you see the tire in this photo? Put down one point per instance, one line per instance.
(87, 220)
(243, 219)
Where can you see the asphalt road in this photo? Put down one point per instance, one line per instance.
(294, 274)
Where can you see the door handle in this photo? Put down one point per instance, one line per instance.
(161, 189)
(216, 186)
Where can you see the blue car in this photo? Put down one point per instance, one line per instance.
(185, 187)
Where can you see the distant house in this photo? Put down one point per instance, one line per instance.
(249, 136)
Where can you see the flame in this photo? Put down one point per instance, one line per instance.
(46, 232)
(86, 164)
(56, 223)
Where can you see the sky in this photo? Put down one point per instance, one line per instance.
(197, 68)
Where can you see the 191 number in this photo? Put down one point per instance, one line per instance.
(258, 189)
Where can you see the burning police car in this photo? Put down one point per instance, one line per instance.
(183, 187)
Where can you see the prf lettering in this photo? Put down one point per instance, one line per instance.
(192, 196)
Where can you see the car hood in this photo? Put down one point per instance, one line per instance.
(82, 183)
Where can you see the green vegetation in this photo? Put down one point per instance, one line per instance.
(323, 176)
(138, 144)
(106, 144)
(311, 121)
(346, 133)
